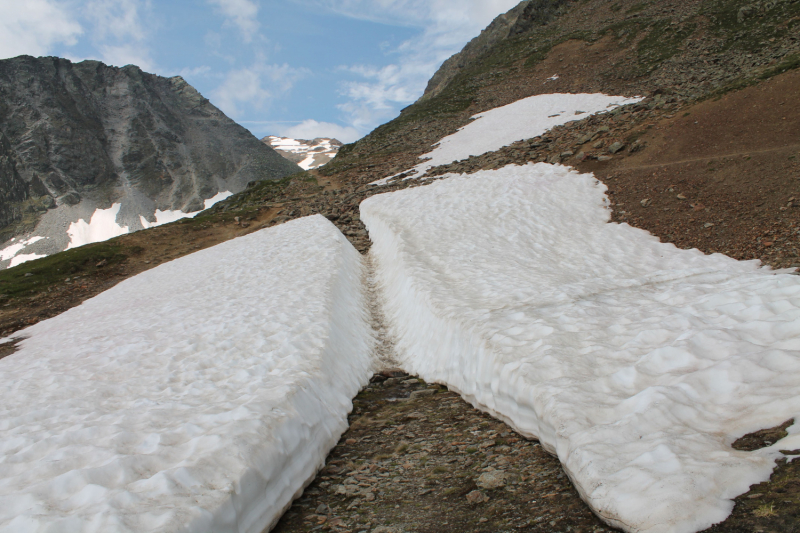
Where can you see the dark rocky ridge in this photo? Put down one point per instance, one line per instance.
(79, 136)
(521, 18)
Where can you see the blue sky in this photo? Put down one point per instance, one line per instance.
(299, 68)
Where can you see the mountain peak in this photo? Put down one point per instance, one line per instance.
(308, 154)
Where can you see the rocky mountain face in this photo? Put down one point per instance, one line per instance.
(307, 154)
(76, 138)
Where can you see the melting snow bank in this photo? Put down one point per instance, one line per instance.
(198, 396)
(636, 362)
(523, 119)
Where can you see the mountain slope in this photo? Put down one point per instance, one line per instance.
(78, 137)
(687, 164)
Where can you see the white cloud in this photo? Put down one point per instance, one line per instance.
(311, 129)
(241, 13)
(255, 86)
(378, 93)
(119, 34)
(33, 27)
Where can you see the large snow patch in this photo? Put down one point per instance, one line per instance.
(101, 227)
(636, 362)
(199, 396)
(502, 126)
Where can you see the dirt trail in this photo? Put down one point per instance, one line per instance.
(385, 356)
(419, 458)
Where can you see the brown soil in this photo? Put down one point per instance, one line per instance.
(736, 162)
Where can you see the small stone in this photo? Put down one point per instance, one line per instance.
(581, 156)
(322, 508)
(708, 225)
(477, 496)
(646, 202)
(598, 145)
(616, 147)
(568, 153)
(387, 529)
(491, 480)
(421, 393)
(350, 442)
(680, 197)
(28, 274)
(602, 158)
(482, 520)
(369, 496)
(412, 381)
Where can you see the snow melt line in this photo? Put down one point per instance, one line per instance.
(520, 120)
(199, 396)
(637, 363)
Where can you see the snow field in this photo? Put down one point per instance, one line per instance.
(637, 363)
(502, 126)
(199, 396)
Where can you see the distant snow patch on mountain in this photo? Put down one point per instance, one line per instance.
(101, 227)
(307, 154)
(165, 217)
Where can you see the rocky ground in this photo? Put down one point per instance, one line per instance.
(418, 458)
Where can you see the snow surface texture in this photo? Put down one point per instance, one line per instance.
(199, 396)
(636, 362)
(502, 126)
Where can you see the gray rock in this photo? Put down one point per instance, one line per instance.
(616, 147)
(491, 480)
(387, 529)
(422, 393)
(602, 158)
(646, 202)
(476, 497)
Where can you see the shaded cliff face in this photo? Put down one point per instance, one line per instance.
(78, 137)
